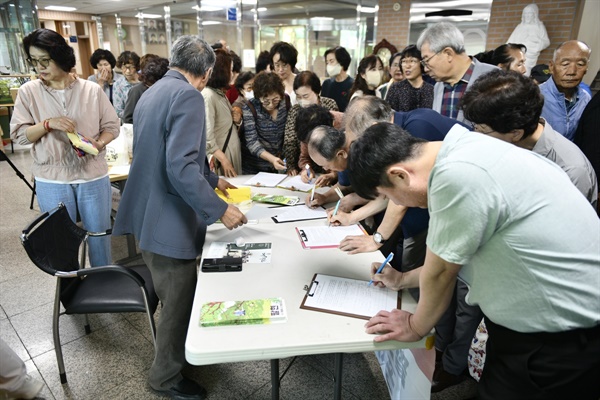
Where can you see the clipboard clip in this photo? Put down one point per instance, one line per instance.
(312, 288)
(303, 235)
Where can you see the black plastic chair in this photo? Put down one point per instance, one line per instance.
(53, 242)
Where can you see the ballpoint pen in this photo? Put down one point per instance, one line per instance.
(312, 195)
(383, 264)
(339, 192)
(307, 167)
(335, 210)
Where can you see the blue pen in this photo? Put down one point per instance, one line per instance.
(307, 171)
(383, 264)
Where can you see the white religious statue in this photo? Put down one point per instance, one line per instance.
(532, 33)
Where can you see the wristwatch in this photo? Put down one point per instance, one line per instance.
(378, 238)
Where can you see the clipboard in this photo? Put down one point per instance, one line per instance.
(330, 236)
(320, 286)
(295, 214)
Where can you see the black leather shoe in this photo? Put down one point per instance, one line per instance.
(186, 389)
(444, 380)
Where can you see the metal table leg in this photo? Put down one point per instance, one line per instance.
(338, 367)
(275, 379)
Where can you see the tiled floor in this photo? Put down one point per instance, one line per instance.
(112, 362)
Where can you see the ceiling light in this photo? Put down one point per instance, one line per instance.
(321, 19)
(367, 10)
(211, 23)
(259, 9)
(60, 8)
(207, 8)
(248, 1)
(151, 16)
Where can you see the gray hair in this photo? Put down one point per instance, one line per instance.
(362, 112)
(193, 55)
(326, 140)
(442, 35)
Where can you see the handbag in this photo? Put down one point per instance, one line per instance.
(215, 161)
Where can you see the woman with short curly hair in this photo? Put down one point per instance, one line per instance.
(264, 123)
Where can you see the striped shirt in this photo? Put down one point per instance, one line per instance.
(262, 134)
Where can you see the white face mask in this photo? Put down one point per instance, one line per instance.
(249, 95)
(334, 70)
(305, 103)
(374, 78)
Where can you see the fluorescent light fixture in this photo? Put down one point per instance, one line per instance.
(321, 19)
(207, 8)
(150, 16)
(60, 8)
(248, 1)
(211, 23)
(259, 9)
(367, 10)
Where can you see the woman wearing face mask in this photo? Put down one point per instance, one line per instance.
(264, 124)
(396, 74)
(413, 92)
(243, 86)
(338, 86)
(103, 62)
(368, 77)
(307, 87)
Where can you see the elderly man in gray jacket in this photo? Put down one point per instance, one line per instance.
(169, 200)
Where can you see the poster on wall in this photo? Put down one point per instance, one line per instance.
(180, 28)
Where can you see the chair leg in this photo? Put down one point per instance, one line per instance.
(150, 316)
(56, 334)
(88, 330)
(32, 196)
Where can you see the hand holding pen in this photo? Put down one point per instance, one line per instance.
(337, 206)
(382, 266)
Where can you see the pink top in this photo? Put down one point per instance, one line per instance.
(53, 157)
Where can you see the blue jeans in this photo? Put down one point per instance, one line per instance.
(93, 201)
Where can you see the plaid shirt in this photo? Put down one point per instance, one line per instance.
(453, 94)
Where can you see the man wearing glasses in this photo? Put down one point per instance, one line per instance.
(445, 60)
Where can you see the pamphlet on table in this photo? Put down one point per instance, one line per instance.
(243, 312)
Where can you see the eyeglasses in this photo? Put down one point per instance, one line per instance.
(477, 128)
(44, 62)
(129, 67)
(280, 65)
(395, 65)
(425, 63)
(266, 102)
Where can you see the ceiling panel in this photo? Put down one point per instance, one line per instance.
(276, 9)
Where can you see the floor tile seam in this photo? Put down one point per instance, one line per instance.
(25, 311)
